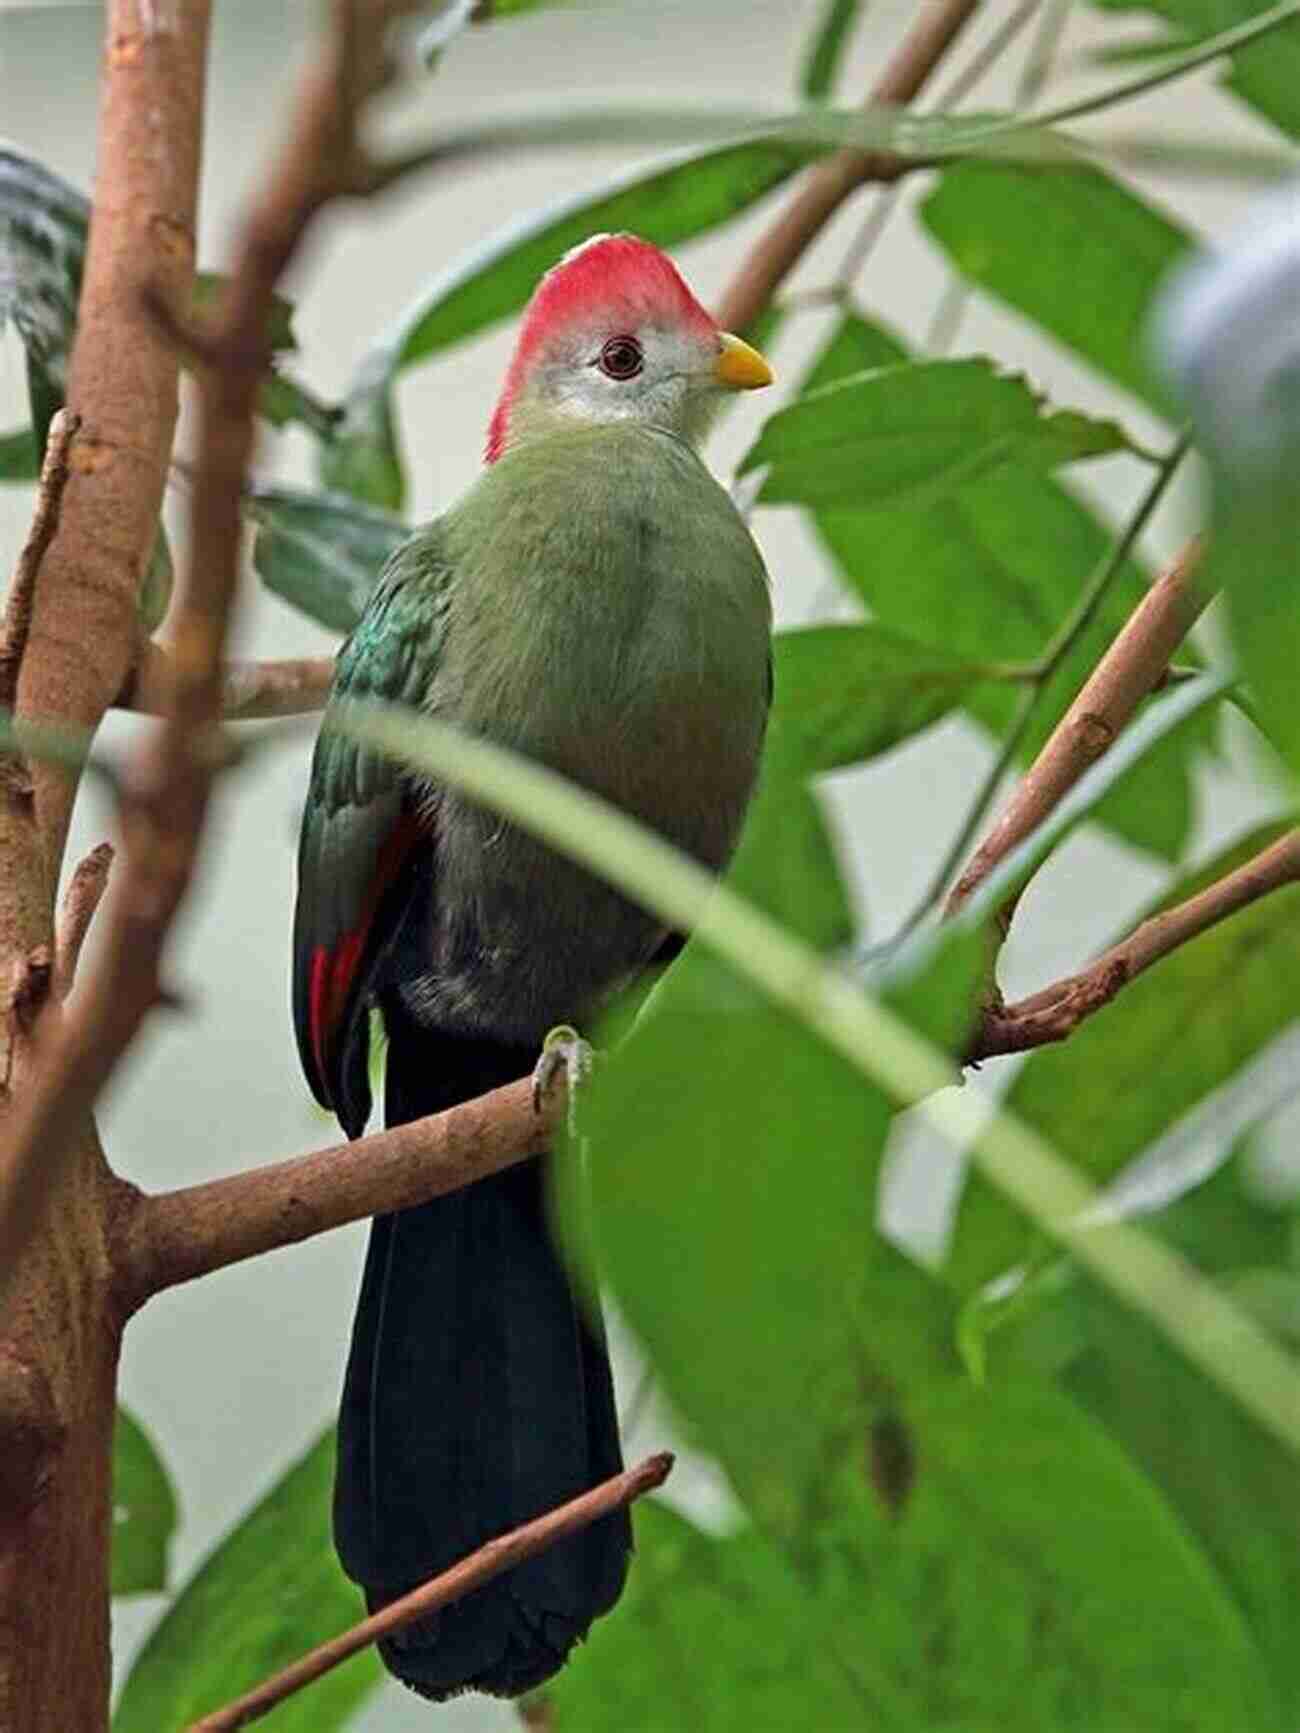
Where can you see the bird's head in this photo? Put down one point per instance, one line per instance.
(613, 334)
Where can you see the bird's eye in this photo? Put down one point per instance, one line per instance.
(621, 358)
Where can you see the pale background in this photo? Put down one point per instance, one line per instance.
(235, 1375)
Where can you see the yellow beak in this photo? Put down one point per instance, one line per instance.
(739, 366)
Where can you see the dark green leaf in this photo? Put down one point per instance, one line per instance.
(786, 861)
(1173, 1036)
(849, 693)
(362, 456)
(269, 1592)
(712, 1634)
(18, 456)
(744, 1276)
(283, 400)
(321, 552)
(990, 574)
(912, 434)
(965, 1524)
(144, 1511)
(1074, 251)
(826, 50)
(1265, 74)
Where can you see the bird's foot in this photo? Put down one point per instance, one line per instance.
(564, 1053)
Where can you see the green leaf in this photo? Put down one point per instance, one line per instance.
(912, 434)
(963, 1524)
(703, 1210)
(712, 1633)
(1173, 1036)
(848, 693)
(270, 1591)
(995, 569)
(787, 861)
(1074, 251)
(209, 288)
(1266, 74)
(362, 456)
(321, 552)
(144, 1511)
(826, 50)
(19, 460)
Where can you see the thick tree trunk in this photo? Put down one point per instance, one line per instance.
(61, 1324)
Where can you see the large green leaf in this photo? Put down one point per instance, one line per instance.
(1173, 1036)
(826, 48)
(1074, 251)
(666, 203)
(913, 434)
(270, 1591)
(712, 1634)
(985, 1559)
(842, 694)
(321, 552)
(1233, 1485)
(1265, 74)
(144, 1511)
(848, 693)
(990, 574)
(735, 1222)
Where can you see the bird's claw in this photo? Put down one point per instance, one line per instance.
(564, 1053)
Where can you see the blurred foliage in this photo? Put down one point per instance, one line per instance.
(963, 1507)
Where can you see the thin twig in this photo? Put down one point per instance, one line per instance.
(249, 690)
(85, 891)
(824, 188)
(45, 521)
(865, 241)
(1057, 1011)
(1126, 674)
(173, 1237)
(471, 1573)
(1066, 637)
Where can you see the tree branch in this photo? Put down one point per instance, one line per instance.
(83, 896)
(471, 1573)
(172, 1237)
(1057, 1011)
(167, 788)
(1129, 671)
(824, 188)
(45, 521)
(249, 690)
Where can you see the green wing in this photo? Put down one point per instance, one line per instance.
(361, 835)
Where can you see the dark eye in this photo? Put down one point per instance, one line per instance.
(621, 358)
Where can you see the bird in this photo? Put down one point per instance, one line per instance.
(595, 601)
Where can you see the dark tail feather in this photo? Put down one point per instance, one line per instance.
(477, 1396)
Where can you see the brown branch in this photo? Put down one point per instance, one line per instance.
(83, 896)
(122, 382)
(249, 690)
(825, 188)
(1057, 1011)
(168, 784)
(45, 521)
(471, 1573)
(1129, 671)
(174, 1236)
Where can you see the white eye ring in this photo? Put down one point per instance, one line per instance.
(621, 358)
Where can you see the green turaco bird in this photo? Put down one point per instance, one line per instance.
(596, 602)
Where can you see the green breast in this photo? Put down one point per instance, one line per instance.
(610, 616)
